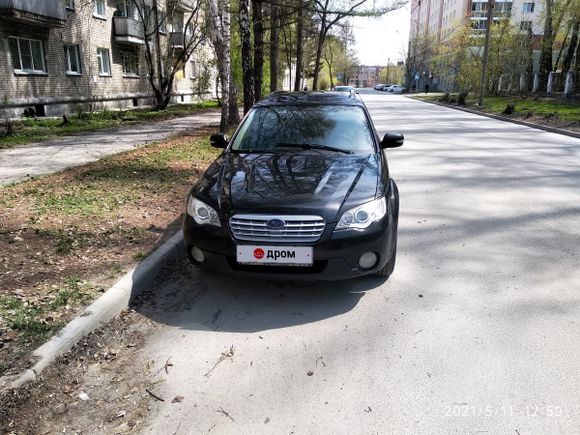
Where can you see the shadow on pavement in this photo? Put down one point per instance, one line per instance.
(190, 298)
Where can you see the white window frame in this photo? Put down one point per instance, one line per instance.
(528, 7)
(97, 13)
(101, 52)
(124, 56)
(76, 51)
(34, 70)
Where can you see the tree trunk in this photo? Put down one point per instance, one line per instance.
(330, 74)
(247, 72)
(547, 43)
(571, 48)
(233, 112)
(258, 48)
(577, 68)
(158, 89)
(219, 29)
(299, 50)
(274, 48)
(319, 45)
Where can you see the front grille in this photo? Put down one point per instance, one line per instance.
(296, 229)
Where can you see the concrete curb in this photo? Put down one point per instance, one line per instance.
(504, 118)
(105, 308)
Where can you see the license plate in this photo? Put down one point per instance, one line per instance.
(275, 255)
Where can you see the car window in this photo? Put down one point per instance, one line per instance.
(268, 129)
(343, 89)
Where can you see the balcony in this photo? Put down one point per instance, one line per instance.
(128, 30)
(44, 13)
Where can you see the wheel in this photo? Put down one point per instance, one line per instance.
(386, 271)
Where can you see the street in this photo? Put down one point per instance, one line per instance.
(477, 330)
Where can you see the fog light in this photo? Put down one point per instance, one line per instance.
(197, 254)
(368, 260)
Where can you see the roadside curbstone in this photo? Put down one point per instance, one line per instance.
(100, 312)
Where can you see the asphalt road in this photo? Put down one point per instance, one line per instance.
(477, 331)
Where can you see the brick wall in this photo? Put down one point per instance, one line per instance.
(89, 33)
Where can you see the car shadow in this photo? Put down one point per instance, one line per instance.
(187, 297)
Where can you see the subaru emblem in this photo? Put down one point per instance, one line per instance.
(276, 224)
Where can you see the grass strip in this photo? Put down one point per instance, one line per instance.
(39, 129)
(66, 237)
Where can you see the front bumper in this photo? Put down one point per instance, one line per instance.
(336, 254)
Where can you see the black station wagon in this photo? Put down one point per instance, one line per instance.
(301, 191)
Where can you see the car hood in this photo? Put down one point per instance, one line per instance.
(306, 182)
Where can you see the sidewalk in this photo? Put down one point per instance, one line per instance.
(32, 160)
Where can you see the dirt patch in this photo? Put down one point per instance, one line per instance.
(67, 237)
(90, 388)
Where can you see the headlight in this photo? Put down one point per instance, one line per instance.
(364, 215)
(202, 213)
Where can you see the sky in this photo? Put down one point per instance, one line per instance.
(378, 39)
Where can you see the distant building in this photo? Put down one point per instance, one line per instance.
(439, 19)
(366, 75)
(60, 56)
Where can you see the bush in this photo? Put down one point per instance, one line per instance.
(509, 109)
(323, 84)
(461, 99)
(444, 98)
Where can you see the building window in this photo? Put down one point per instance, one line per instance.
(104, 61)
(126, 8)
(73, 59)
(528, 7)
(130, 63)
(100, 9)
(69, 4)
(526, 25)
(27, 56)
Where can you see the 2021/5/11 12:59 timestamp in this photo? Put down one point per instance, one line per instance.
(533, 411)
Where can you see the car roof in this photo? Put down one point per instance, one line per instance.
(283, 98)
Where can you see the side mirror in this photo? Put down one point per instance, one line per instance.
(219, 140)
(392, 140)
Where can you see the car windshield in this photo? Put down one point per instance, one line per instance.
(319, 127)
(342, 89)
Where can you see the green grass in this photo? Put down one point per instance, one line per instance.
(38, 129)
(32, 320)
(86, 207)
(566, 110)
(116, 181)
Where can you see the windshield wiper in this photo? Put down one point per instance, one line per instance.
(313, 146)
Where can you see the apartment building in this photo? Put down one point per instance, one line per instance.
(61, 56)
(440, 18)
(366, 75)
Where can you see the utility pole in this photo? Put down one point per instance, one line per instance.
(490, 7)
(388, 70)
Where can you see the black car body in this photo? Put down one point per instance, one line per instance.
(279, 203)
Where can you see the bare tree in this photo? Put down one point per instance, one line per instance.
(247, 70)
(218, 17)
(258, 48)
(166, 52)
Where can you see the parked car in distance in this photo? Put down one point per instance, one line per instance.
(345, 89)
(301, 191)
(396, 89)
(385, 87)
(379, 87)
